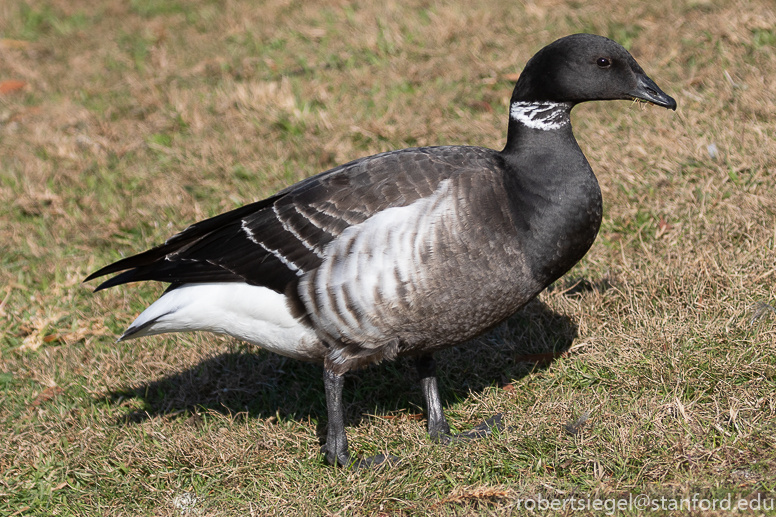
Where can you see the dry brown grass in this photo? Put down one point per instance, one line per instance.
(138, 118)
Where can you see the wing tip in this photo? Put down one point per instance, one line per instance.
(123, 278)
(111, 268)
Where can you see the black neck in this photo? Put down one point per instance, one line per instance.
(547, 172)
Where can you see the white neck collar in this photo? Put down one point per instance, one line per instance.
(541, 115)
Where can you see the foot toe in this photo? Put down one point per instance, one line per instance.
(482, 430)
(376, 461)
(356, 463)
(336, 459)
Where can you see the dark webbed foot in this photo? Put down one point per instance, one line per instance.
(356, 463)
(376, 461)
(482, 430)
(438, 429)
(335, 458)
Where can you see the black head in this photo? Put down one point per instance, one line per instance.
(586, 67)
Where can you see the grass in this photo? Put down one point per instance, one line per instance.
(139, 118)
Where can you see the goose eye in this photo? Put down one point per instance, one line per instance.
(603, 62)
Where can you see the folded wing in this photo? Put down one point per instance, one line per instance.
(274, 241)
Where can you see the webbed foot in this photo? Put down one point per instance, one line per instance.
(344, 459)
(482, 430)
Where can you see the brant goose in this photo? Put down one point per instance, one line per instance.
(406, 252)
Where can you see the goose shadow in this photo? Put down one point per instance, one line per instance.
(254, 383)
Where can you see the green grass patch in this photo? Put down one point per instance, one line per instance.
(648, 369)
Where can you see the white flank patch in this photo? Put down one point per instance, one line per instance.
(377, 256)
(250, 313)
(293, 267)
(541, 115)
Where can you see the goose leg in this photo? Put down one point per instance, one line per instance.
(438, 429)
(336, 447)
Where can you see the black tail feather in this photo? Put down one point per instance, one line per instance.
(139, 264)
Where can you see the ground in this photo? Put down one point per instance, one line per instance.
(648, 370)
